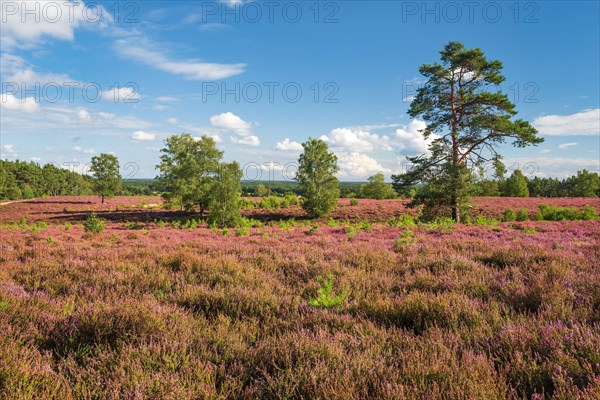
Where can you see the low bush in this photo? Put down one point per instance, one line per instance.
(93, 224)
(554, 213)
(509, 215)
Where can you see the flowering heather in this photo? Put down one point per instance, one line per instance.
(149, 309)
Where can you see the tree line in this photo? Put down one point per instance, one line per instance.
(467, 119)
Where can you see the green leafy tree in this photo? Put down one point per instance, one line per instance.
(188, 166)
(224, 202)
(585, 184)
(261, 190)
(377, 188)
(516, 185)
(467, 118)
(317, 167)
(105, 170)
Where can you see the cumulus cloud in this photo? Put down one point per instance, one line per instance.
(250, 140)
(231, 122)
(409, 139)
(25, 23)
(288, 145)
(141, 136)
(359, 165)
(352, 139)
(8, 150)
(26, 104)
(586, 122)
(121, 95)
(189, 69)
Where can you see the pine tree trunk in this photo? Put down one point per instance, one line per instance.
(455, 197)
(102, 199)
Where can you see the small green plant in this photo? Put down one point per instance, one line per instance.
(93, 224)
(50, 240)
(522, 215)
(557, 246)
(353, 202)
(487, 221)
(530, 231)
(509, 215)
(406, 238)
(242, 231)
(402, 221)
(68, 226)
(325, 297)
(332, 223)
(443, 224)
(225, 232)
(365, 226)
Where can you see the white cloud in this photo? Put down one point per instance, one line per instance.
(24, 23)
(141, 136)
(288, 145)
(190, 69)
(26, 104)
(545, 151)
(173, 121)
(352, 139)
(79, 149)
(84, 115)
(166, 99)
(106, 115)
(410, 141)
(8, 150)
(586, 122)
(159, 107)
(358, 165)
(567, 145)
(231, 122)
(250, 140)
(35, 159)
(552, 166)
(16, 71)
(121, 95)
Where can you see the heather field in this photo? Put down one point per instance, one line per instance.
(160, 306)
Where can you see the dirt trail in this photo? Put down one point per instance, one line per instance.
(10, 202)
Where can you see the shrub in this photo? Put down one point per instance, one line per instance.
(483, 220)
(242, 231)
(353, 202)
(401, 221)
(93, 224)
(522, 215)
(67, 226)
(325, 298)
(406, 238)
(509, 215)
(554, 213)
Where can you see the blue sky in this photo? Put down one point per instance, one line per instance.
(234, 70)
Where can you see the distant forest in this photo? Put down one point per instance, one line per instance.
(26, 180)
